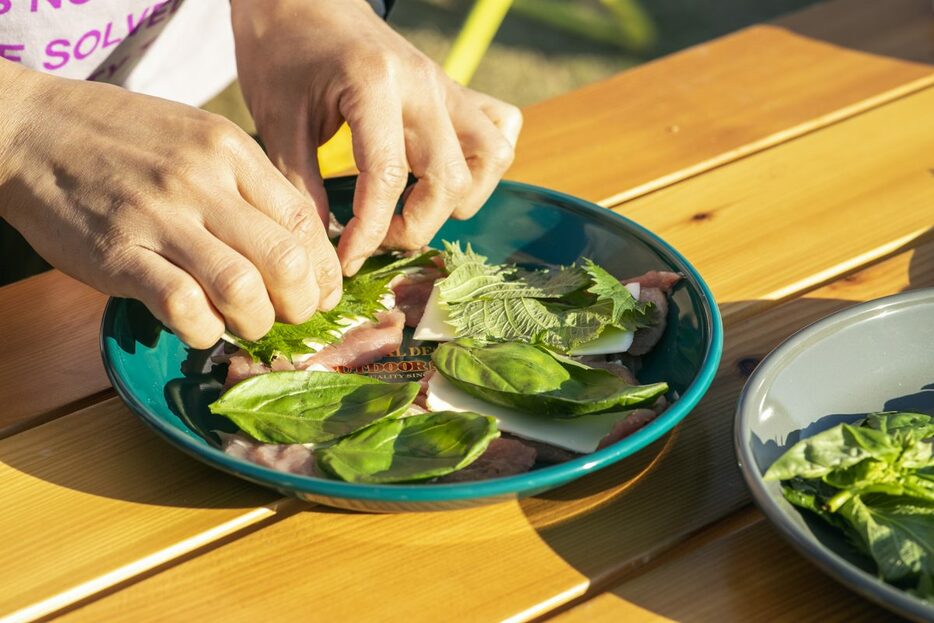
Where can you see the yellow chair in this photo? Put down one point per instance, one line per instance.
(336, 156)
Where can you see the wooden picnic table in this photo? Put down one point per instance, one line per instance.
(791, 162)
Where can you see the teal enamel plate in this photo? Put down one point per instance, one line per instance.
(169, 386)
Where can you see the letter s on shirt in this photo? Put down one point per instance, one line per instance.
(51, 52)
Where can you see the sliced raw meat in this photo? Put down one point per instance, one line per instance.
(412, 291)
(241, 367)
(635, 420)
(361, 345)
(422, 398)
(503, 457)
(616, 368)
(544, 452)
(662, 279)
(293, 458)
(646, 338)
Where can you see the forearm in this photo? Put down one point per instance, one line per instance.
(18, 89)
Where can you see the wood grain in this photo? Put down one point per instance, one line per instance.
(513, 561)
(640, 131)
(94, 497)
(48, 328)
(711, 104)
(751, 575)
(782, 221)
(520, 560)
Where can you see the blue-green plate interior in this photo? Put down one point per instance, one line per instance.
(169, 385)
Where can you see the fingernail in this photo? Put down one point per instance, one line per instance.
(332, 300)
(351, 266)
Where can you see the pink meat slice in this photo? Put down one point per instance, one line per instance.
(412, 291)
(362, 345)
(243, 367)
(292, 458)
(503, 457)
(615, 368)
(544, 452)
(633, 421)
(664, 280)
(646, 338)
(422, 398)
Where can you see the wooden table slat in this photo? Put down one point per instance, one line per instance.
(94, 497)
(750, 575)
(784, 220)
(716, 102)
(51, 364)
(642, 130)
(87, 510)
(523, 558)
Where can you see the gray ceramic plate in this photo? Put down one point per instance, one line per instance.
(871, 357)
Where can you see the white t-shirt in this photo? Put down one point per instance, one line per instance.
(181, 50)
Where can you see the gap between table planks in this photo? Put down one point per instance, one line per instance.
(749, 574)
(512, 561)
(721, 100)
(132, 470)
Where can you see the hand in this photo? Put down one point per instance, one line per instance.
(168, 204)
(305, 67)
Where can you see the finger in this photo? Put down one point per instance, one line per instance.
(379, 149)
(174, 297)
(282, 259)
(290, 149)
(270, 193)
(233, 284)
(506, 117)
(488, 154)
(444, 179)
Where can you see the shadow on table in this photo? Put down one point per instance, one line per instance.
(619, 518)
(686, 466)
(902, 31)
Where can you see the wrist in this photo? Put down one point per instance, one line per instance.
(20, 89)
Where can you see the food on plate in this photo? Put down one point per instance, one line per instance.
(515, 367)
(311, 407)
(874, 481)
(417, 447)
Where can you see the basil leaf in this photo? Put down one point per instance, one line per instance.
(866, 473)
(898, 532)
(534, 380)
(813, 496)
(836, 448)
(311, 407)
(890, 422)
(410, 448)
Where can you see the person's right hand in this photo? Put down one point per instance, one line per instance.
(148, 199)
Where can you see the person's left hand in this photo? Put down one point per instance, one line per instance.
(307, 66)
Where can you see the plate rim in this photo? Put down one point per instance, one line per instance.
(831, 563)
(539, 479)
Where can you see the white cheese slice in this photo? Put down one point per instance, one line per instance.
(580, 434)
(434, 326)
